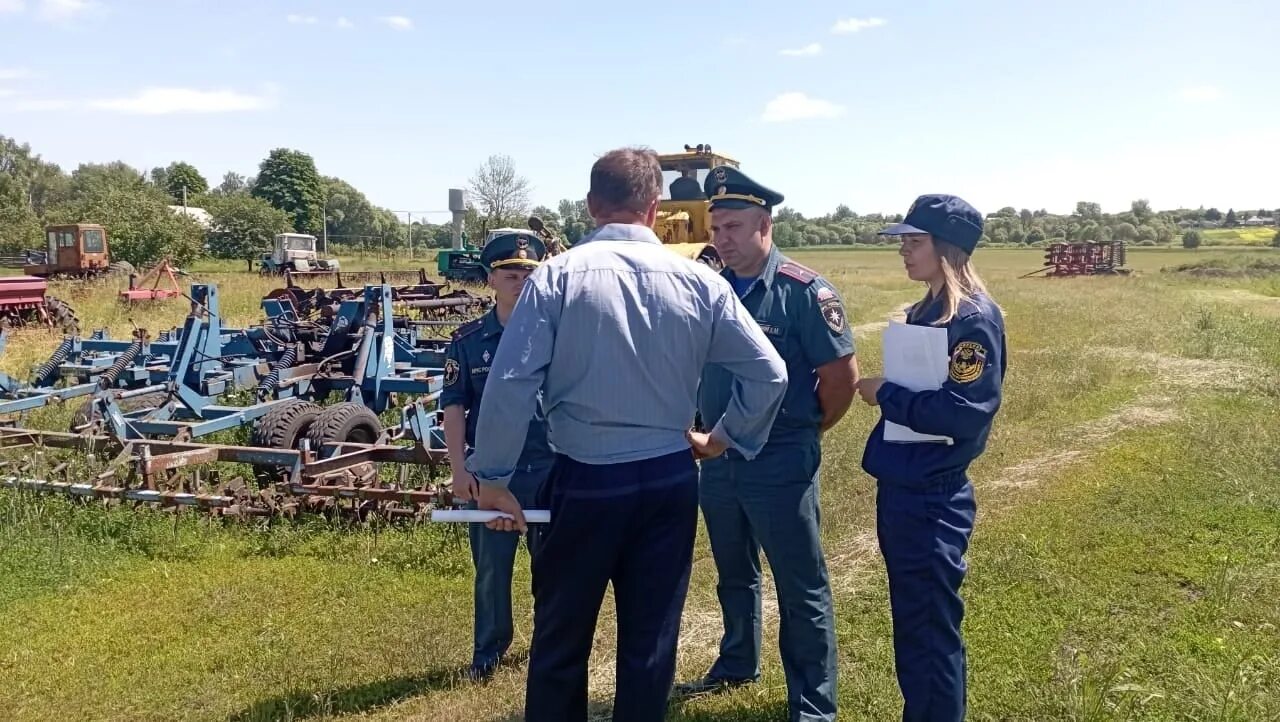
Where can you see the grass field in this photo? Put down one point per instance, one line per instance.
(1254, 236)
(1125, 564)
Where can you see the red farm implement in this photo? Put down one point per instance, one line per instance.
(137, 290)
(23, 302)
(1090, 258)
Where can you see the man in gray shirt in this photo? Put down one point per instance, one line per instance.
(616, 332)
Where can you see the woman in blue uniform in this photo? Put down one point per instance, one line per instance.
(924, 499)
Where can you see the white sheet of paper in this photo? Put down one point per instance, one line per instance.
(915, 357)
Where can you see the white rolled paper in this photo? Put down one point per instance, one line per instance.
(532, 516)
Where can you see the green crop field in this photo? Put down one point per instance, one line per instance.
(1125, 564)
(1255, 236)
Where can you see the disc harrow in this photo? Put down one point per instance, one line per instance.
(157, 423)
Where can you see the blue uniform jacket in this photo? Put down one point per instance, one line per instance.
(962, 409)
(466, 370)
(804, 317)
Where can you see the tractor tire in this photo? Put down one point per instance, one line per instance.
(347, 421)
(280, 428)
(123, 268)
(283, 427)
(64, 319)
(85, 412)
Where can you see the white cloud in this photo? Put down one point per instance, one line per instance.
(853, 25)
(7, 93)
(33, 106)
(798, 106)
(14, 73)
(1199, 94)
(163, 101)
(302, 19)
(344, 23)
(12, 6)
(55, 10)
(399, 22)
(810, 49)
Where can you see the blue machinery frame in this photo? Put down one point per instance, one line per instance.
(377, 354)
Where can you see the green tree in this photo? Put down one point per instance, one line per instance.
(177, 176)
(1089, 211)
(1230, 221)
(139, 224)
(288, 180)
(1141, 210)
(1124, 232)
(1191, 239)
(231, 183)
(243, 226)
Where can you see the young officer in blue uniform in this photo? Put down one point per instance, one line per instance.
(924, 504)
(508, 260)
(771, 502)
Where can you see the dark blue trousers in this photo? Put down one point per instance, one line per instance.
(923, 535)
(771, 504)
(494, 554)
(631, 524)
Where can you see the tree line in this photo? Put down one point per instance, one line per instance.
(289, 194)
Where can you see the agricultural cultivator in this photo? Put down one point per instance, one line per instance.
(319, 374)
(437, 306)
(1084, 259)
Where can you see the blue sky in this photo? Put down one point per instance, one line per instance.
(865, 103)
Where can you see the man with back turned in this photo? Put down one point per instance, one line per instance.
(616, 333)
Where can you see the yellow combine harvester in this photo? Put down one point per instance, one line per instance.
(684, 218)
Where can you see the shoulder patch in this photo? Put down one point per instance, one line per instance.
(967, 361)
(467, 328)
(791, 269)
(451, 372)
(832, 312)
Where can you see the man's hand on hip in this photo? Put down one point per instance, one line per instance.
(705, 446)
(501, 499)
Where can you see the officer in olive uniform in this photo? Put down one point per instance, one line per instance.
(507, 261)
(771, 502)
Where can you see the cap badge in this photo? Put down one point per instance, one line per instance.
(720, 174)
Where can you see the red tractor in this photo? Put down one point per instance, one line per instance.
(23, 302)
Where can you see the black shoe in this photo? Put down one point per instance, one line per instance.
(708, 685)
(482, 672)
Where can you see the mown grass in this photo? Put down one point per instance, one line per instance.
(1123, 566)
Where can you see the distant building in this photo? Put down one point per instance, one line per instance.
(1256, 221)
(199, 215)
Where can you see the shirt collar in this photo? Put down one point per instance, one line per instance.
(491, 325)
(622, 232)
(771, 264)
